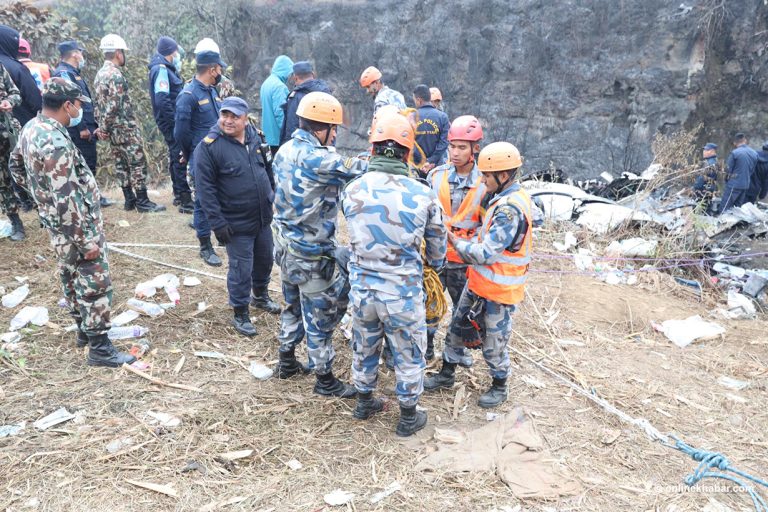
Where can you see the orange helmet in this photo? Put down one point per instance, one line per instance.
(383, 111)
(499, 156)
(435, 93)
(396, 128)
(465, 128)
(320, 107)
(370, 75)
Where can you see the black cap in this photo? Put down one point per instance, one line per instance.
(69, 46)
(204, 58)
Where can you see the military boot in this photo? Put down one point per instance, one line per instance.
(329, 385)
(105, 202)
(430, 353)
(17, 228)
(445, 379)
(144, 205)
(82, 338)
(288, 365)
(103, 353)
(411, 421)
(130, 199)
(260, 299)
(496, 395)
(207, 253)
(186, 205)
(367, 406)
(242, 322)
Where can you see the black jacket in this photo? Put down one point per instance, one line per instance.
(232, 182)
(291, 120)
(74, 75)
(164, 87)
(31, 101)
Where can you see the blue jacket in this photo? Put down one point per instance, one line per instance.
(232, 183)
(291, 120)
(741, 167)
(197, 112)
(432, 134)
(74, 75)
(31, 100)
(165, 84)
(273, 94)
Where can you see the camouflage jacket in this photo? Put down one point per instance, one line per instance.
(389, 215)
(9, 126)
(387, 96)
(226, 88)
(113, 109)
(47, 164)
(308, 179)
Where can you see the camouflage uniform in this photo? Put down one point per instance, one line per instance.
(9, 130)
(226, 88)
(389, 215)
(387, 96)
(115, 116)
(308, 178)
(47, 163)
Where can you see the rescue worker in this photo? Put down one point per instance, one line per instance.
(225, 87)
(70, 67)
(496, 278)
(761, 173)
(309, 175)
(117, 123)
(47, 163)
(431, 131)
(460, 190)
(273, 94)
(436, 97)
(236, 189)
(705, 184)
(9, 131)
(165, 84)
(197, 110)
(304, 83)
(389, 215)
(740, 168)
(370, 80)
(40, 71)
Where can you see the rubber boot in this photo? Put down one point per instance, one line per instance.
(130, 199)
(495, 396)
(105, 202)
(186, 205)
(17, 228)
(367, 406)
(260, 299)
(445, 379)
(430, 353)
(329, 385)
(207, 253)
(103, 353)
(411, 421)
(242, 322)
(82, 338)
(288, 365)
(144, 205)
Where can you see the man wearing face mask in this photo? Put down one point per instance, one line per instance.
(165, 84)
(117, 122)
(70, 67)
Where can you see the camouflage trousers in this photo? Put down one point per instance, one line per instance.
(497, 319)
(87, 286)
(8, 200)
(315, 302)
(378, 316)
(130, 160)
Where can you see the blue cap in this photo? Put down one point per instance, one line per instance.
(302, 68)
(69, 46)
(166, 46)
(204, 58)
(709, 145)
(237, 106)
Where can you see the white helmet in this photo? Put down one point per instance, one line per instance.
(207, 45)
(112, 42)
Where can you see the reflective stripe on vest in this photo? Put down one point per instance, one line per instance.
(467, 219)
(504, 280)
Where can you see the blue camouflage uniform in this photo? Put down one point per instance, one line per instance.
(387, 96)
(308, 178)
(86, 146)
(197, 111)
(389, 216)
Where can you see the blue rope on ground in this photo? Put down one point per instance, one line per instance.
(714, 460)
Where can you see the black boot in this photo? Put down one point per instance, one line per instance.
(103, 353)
(497, 395)
(288, 365)
(130, 199)
(105, 202)
(445, 379)
(176, 200)
(411, 421)
(17, 228)
(260, 299)
(329, 385)
(242, 322)
(430, 353)
(144, 205)
(186, 205)
(367, 406)
(82, 338)
(207, 253)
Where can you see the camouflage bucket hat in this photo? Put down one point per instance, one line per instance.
(61, 89)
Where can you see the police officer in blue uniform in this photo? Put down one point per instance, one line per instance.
(197, 110)
(165, 84)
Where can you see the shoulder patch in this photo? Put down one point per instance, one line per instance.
(161, 84)
(204, 102)
(349, 162)
(210, 138)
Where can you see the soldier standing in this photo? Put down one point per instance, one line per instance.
(9, 130)
(117, 122)
(47, 163)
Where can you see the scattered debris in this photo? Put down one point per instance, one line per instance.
(126, 332)
(160, 382)
(210, 354)
(492, 416)
(259, 370)
(731, 383)
(191, 281)
(55, 418)
(533, 381)
(193, 465)
(232, 456)
(163, 419)
(388, 491)
(632, 248)
(12, 430)
(125, 318)
(338, 497)
(147, 308)
(294, 464)
(684, 332)
(119, 444)
(739, 306)
(448, 436)
(123, 223)
(37, 315)
(6, 228)
(168, 490)
(569, 241)
(13, 299)
(11, 337)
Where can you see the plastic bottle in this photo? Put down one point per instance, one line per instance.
(173, 294)
(148, 308)
(128, 331)
(14, 298)
(140, 347)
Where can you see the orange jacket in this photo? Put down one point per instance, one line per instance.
(467, 219)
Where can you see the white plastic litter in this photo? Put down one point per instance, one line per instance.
(632, 248)
(192, 281)
(568, 242)
(127, 331)
(583, 260)
(602, 218)
(125, 317)
(118, 444)
(37, 315)
(338, 497)
(13, 299)
(10, 337)
(731, 383)
(260, 371)
(5, 228)
(389, 490)
(684, 332)
(294, 464)
(739, 306)
(59, 416)
(164, 419)
(729, 270)
(145, 290)
(210, 354)
(11, 430)
(148, 308)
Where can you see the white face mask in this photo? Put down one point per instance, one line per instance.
(74, 121)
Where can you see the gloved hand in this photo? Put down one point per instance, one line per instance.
(224, 234)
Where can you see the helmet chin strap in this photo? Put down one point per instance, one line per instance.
(327, 134)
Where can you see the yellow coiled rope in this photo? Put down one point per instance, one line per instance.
(436, 304)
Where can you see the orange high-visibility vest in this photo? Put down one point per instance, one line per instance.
(504, 281)
(40, 72)
(467, 219)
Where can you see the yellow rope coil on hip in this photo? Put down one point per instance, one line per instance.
(435, 303)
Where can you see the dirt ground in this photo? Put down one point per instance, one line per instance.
(618, 355)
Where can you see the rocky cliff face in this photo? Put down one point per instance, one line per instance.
(582, 85)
